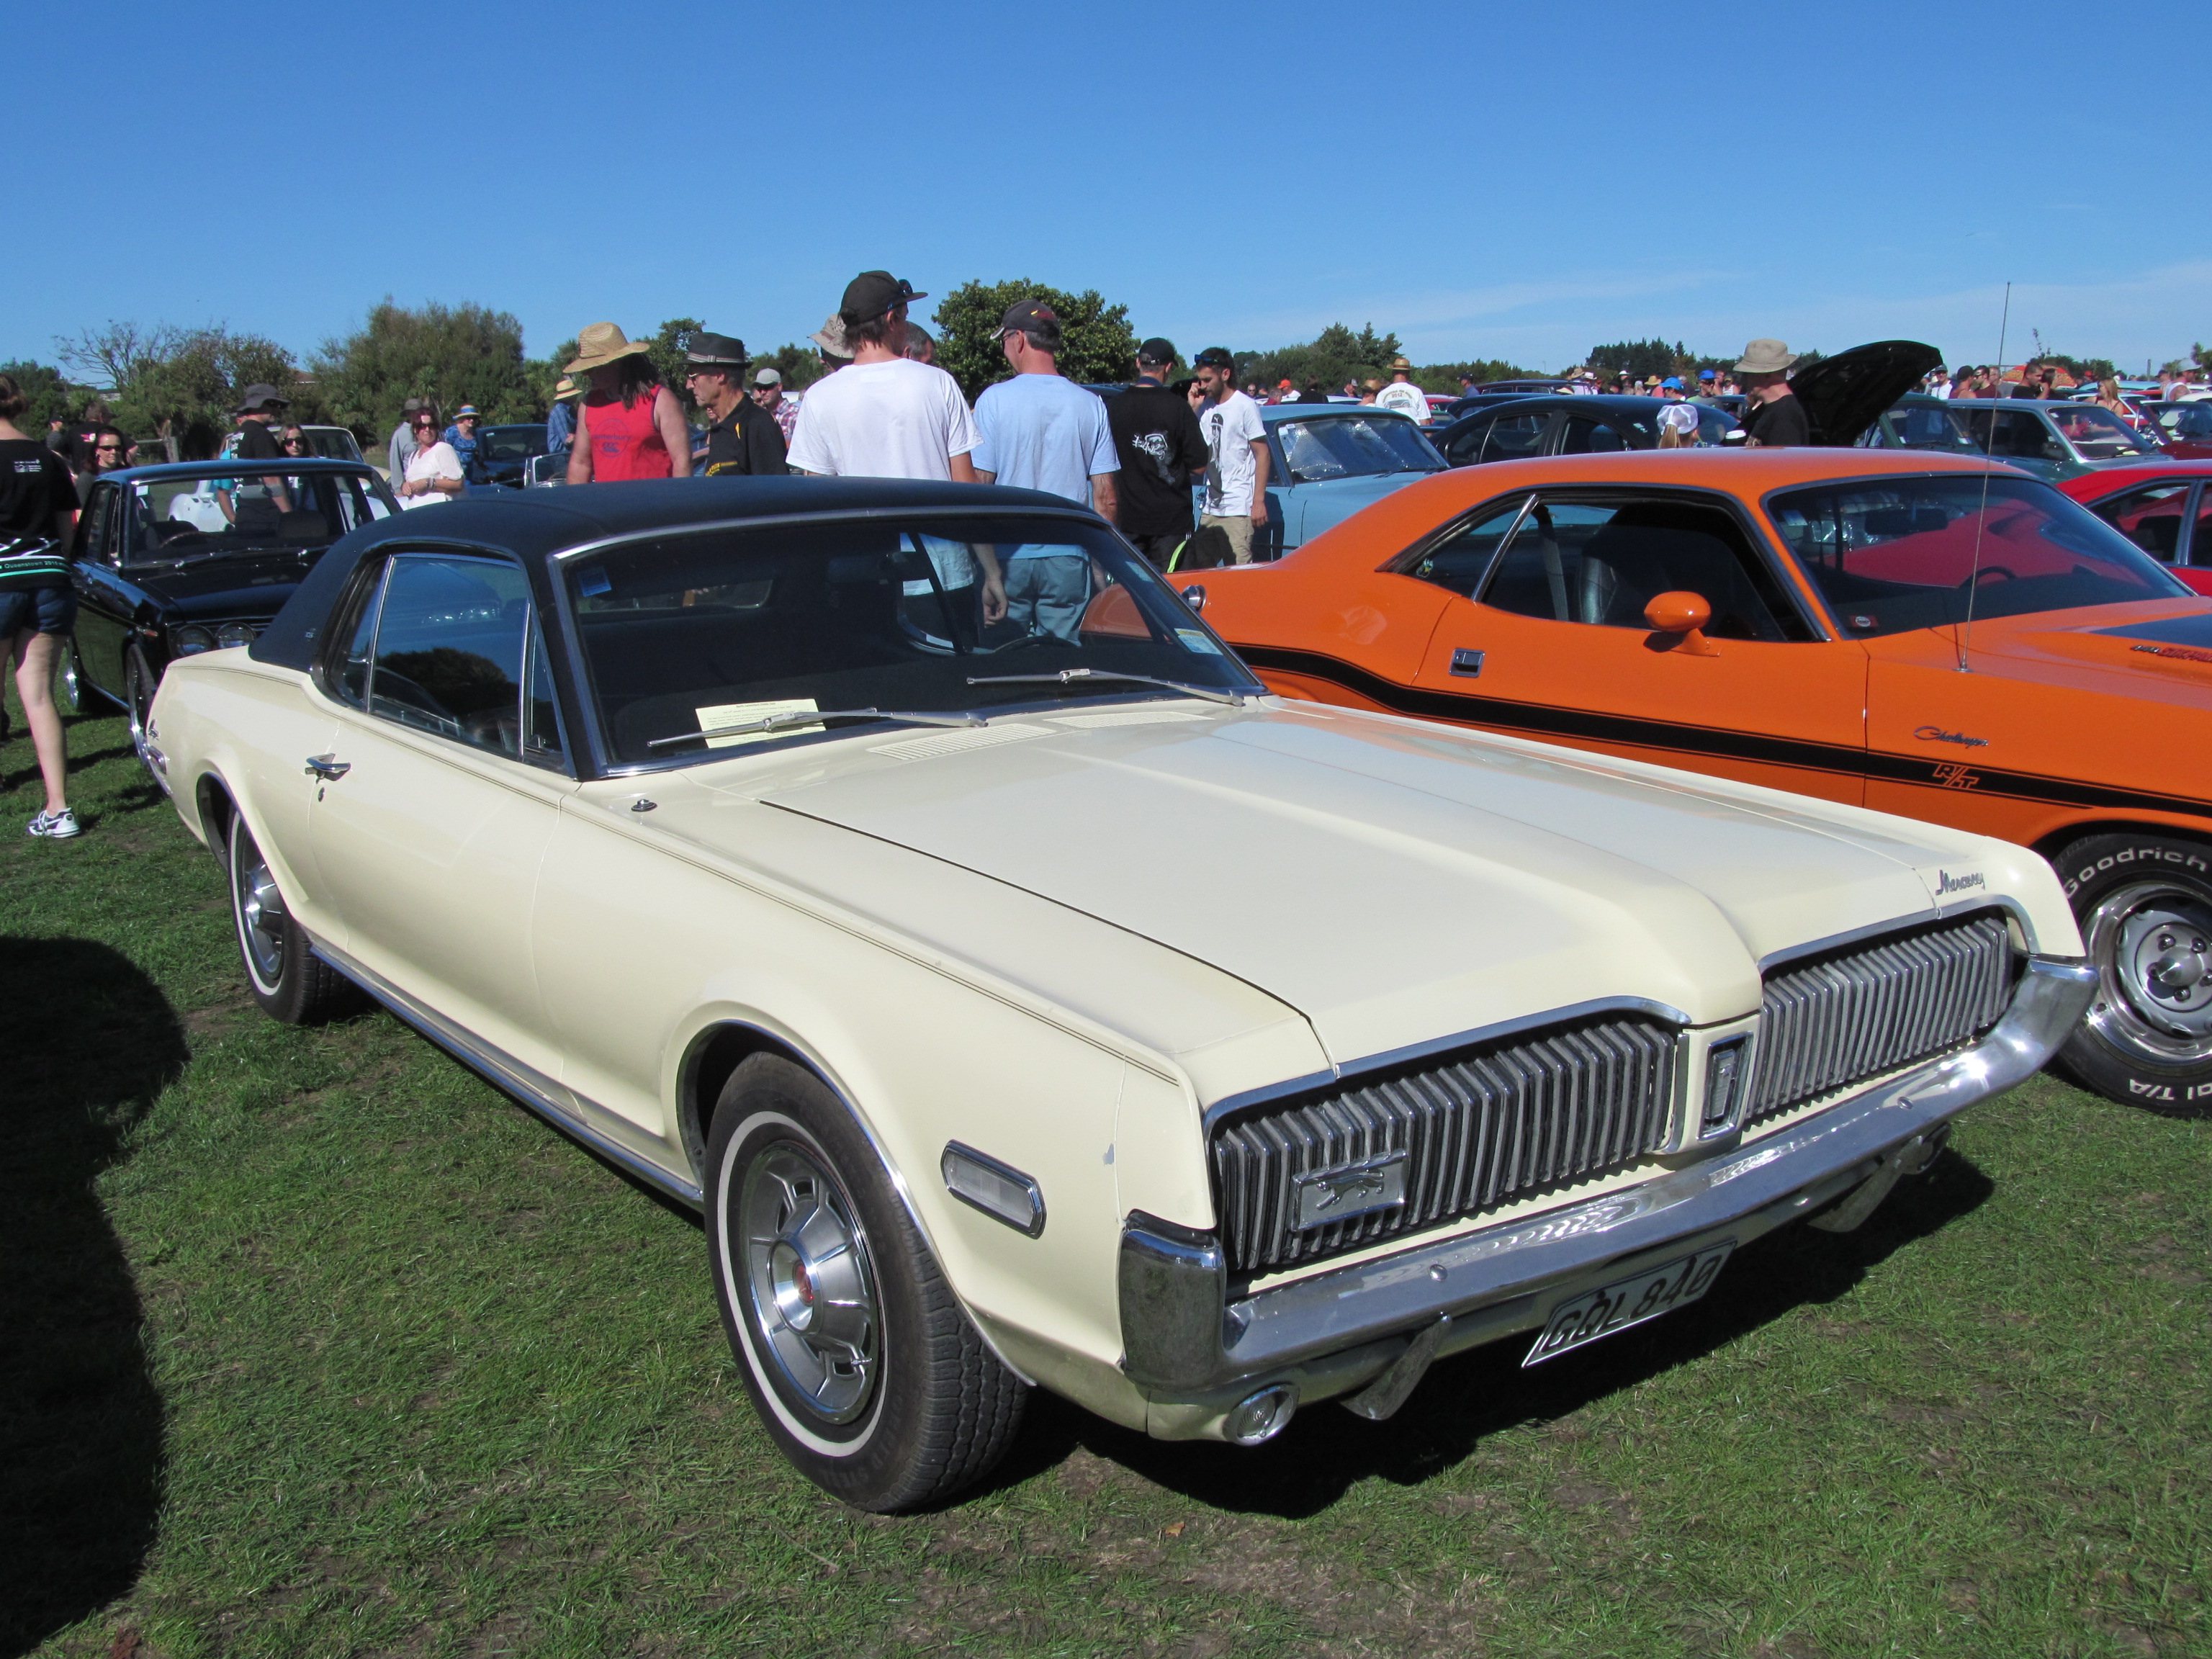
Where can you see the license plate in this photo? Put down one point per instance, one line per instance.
(1601, 1313)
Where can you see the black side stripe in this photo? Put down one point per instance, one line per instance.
(1545, 721)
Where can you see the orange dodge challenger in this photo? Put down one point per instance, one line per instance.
(1923, 634)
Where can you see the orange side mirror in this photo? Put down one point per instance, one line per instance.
(1678, 619)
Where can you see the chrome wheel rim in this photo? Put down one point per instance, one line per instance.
(262, 917)
(810, 1287)
(69, 693)
(2151, 946)
(136, 694)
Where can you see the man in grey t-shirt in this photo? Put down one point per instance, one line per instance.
(402, 446)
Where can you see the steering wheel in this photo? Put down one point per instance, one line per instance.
(1988, 572)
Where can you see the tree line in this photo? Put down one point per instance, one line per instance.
(166, 381)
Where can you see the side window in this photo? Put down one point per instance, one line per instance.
(449, 649)
(1588, 437)
(541, 714)
(1513, 436)
(2200, 539)
(345, 675)
(1463, 559)
(1601, 561)
(2149, 517)
(99, 542)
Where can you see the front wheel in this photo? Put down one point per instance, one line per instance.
(71, 691)
(2144, 903)
(864, 1368)
(287, 980)
(139, 683)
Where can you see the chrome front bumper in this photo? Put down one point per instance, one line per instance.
(1192, 1349)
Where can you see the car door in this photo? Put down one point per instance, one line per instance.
(105, 601)
(443, 781)
(1547, 638)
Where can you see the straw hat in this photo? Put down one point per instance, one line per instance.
(563, 387)
(602, 344)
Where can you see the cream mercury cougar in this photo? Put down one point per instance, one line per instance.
(906, 877)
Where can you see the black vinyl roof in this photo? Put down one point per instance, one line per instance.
(532, 523)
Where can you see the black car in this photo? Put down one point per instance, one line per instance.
(1842, 395)
(174, 560)
(503, 452)
(1473, 402)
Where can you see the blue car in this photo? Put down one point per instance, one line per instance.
(1326, 461)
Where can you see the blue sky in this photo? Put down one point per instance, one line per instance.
(1517, 182)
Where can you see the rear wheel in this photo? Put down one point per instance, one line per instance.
(71, 690)
(859, 1358)
(2144, 903)
(138, 686)
(290, 982)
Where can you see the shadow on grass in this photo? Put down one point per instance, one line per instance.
(1484, 1391)
(88, 1043)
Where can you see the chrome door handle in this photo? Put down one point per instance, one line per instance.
(327, 767)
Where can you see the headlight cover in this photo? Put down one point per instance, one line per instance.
(190, 639)
(232, 633)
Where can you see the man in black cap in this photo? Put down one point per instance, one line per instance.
(742, 438)
(884, 415)
(261, 406)
(1163, 454)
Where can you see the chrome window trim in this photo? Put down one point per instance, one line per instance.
(1347, 1070)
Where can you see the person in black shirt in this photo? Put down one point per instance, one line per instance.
(38, 514)
(1163, 453)
(744, 440)
(78, 442)
(261, 406)
(1776, 419)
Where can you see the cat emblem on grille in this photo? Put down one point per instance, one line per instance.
(1327, 1195)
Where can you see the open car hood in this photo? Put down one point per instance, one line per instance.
(1845, 394)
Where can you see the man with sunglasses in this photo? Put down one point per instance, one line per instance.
(742, 440)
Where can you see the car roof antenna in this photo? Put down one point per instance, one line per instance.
(1982, 519)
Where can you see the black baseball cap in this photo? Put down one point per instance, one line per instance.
(873, 293)
(1030, 317)
(716, 351)
(1157, 352)
(1215, 357)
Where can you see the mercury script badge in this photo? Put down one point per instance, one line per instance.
(1947, 883)
(1331, 1195)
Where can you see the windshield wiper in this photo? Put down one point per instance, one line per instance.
(796, 717)
(1071, 676)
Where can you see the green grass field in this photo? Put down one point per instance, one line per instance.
(312, 1343)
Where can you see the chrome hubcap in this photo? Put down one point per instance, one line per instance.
(261, 914)
(2151, 945)
(137, 695)
(812, 1291)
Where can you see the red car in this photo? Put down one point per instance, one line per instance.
(2164, 506)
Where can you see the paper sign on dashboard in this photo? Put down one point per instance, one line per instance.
(737, 714)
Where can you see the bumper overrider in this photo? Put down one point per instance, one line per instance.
(1212, 1365)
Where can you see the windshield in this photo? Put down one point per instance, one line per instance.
(1354, 446)
(171, 519)
(1904, 553)
(690, 633)
(2185, 420)
(510, 443)
(2098, 434)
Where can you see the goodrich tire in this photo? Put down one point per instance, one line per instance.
(2144, 903)
(860, 1360)
(287, 980)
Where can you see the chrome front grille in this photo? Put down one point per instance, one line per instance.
(1873, 1007)
(1449, 1138)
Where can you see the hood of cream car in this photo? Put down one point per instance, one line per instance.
(1396, 883)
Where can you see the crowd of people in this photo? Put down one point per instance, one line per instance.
(883, 409)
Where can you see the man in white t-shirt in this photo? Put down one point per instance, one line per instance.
(1041, 431)
(884, 415)
(1402, 394)
(1236, 438)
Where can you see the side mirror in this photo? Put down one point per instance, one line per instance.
(1194, 597)
(1678, 620)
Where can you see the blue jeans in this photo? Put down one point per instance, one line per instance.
(1048, 594)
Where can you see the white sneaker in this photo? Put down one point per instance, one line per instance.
(55, 826)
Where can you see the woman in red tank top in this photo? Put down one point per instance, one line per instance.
(629, 426)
